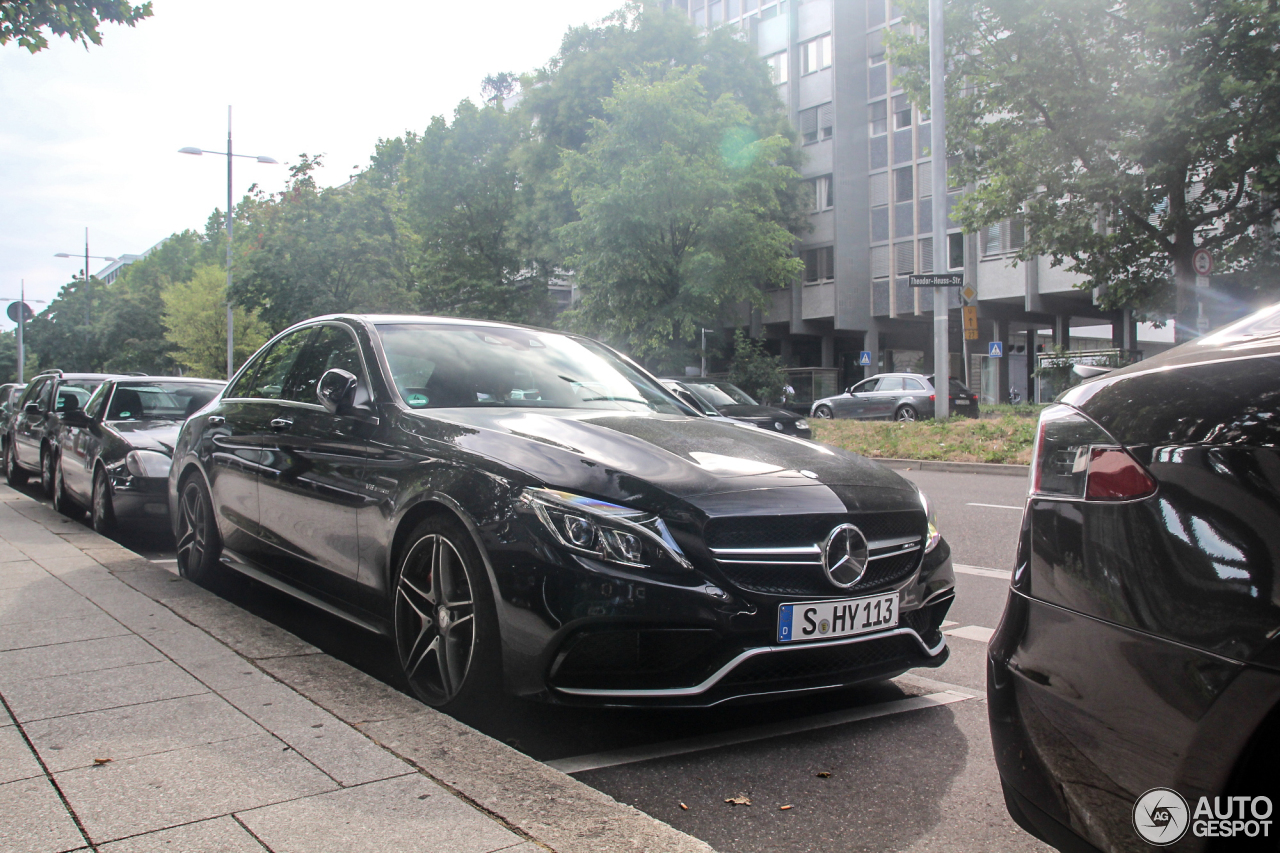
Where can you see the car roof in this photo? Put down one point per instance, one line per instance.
(122, 379)
(422, 319)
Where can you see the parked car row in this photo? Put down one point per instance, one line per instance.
(101, 442)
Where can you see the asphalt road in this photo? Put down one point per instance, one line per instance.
(903, 765)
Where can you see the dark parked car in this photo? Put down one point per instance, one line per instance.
(1139, 652)
(729, 401)
(114, 454)
(894, 396)
(31, 443)
(531, 510)
(10, 393)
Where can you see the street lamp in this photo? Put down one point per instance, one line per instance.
(231, 360)
(87, 256)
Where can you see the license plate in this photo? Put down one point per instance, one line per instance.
(962, 402)
(824, 620)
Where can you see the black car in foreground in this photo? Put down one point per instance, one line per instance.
(114, 454)
(530, 510)
(1134, 680)
(730, 401)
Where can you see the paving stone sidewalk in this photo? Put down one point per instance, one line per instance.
(139, 713)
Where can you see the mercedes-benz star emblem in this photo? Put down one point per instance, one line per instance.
(844, 555)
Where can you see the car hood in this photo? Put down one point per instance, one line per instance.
(757, 413)
(157, 435)
(628, 457)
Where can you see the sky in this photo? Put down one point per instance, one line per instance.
(89, 139)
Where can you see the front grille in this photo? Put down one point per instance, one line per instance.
(789, 531)
(773, 579)
(826, 661)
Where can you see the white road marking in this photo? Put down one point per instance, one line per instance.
(949, 624)
(596, 761)
(997, 506)
(981, 572)
(911, 679)
(168, 560)
(972, 632)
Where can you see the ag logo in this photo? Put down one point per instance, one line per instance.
(844, 555)
(1161, 816)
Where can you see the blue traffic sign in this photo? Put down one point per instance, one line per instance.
(864, 360)
(995, 349)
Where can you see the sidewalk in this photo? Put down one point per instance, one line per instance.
(139, 712)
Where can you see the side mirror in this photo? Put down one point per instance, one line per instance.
(32, 409)
(75, 418)
(336, 389)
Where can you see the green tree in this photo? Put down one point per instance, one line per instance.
(562, 100)
(461, 196)
(756, 371)
(26, 21)
(682, 215)
(195, 319)
(309, 251)
(1126, 132)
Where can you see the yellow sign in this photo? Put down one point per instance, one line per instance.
(970, 334)
(970, 315)
(968, 293)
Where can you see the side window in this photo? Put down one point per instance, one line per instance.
(890, 383)
(864, 386)
(34, 393)
(46, 395)
(94, 406)
(332, 347)
(244, 385)
(270, 380)
(912, 385)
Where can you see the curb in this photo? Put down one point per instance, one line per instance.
(955, 467)
(555, 811)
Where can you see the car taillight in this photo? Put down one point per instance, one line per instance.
(931, 397)
(1075, 458)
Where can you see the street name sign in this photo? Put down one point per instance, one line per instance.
(934, 279)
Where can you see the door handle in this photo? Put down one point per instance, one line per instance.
(281, 424)
(216, 420)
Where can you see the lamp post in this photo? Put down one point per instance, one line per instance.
(938, 147)
(231, 359)
(87, 256)
(22, 310)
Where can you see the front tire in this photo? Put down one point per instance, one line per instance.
(62, 502)
(12, 472)
(823, 412)
(102, 512)
(446, 626)
(199, 544)
(906, 414)
(47, 460)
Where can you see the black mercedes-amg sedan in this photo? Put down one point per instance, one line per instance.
(1134, 680)
(531, 511)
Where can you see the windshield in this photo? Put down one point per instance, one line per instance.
(721, 393)
(439, 366)
(176, 401)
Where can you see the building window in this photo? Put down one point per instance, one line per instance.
(824, 195)
(901, 112)
(879, 223)
(926, 254)
(778, 66)
(769, 12)
(955, 251)
(879, 261)
(819, 264)
(904, 257)
(902, 190)
(815, 55)
(1007, 235)
(879, 189)
(879, 117)
(877, 81)
(816, 123)
(875, 47)
(827, 120)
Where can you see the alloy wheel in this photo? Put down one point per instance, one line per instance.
(822, 412)
(906, 413)
(47, 462)
(102, 512)
(61, 502)
(435, 619)
(194, 530)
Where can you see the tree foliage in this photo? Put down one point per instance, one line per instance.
(682, 211)
(26, 21)
(756, 371)
(195, 317)
(1126, 132)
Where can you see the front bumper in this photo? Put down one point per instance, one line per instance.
(139, 501)
(582, 632)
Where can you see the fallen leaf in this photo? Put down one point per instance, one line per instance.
(823, 775)
(784, 808)
(101, 761)
(683, 806)
(739, 801)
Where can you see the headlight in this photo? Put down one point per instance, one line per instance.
(147, 463)
(802, 424)
(934, 536)
(616, 534)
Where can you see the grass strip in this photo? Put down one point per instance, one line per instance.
(1006, 439)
